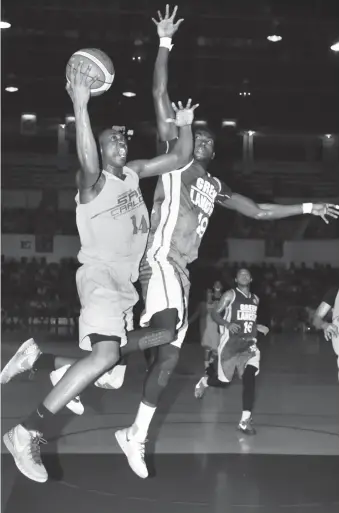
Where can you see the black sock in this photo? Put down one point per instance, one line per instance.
(45, 361)
(38, 419)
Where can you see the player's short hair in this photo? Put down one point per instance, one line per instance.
(205, 130)
(243, 269)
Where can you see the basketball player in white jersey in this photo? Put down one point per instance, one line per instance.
(236, 314)
(330, 329)
(184, 200)
(113, 225)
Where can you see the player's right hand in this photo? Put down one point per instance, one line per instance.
(183, 115)
(330, 331)
(79, 84)
(166, 26)
(233, 328)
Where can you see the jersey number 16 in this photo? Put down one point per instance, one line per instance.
(248, 327)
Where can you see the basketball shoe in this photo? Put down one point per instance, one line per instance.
(75, 405)
(134, 450)
(22, 361)
(113, 379)
(200, 388)
(24, 446)
(246, 426)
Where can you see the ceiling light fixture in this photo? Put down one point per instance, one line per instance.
(5, 24)
(129, 94)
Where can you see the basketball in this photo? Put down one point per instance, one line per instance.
(102, 66)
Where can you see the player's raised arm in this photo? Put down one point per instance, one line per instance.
(271, 211)
(181, 153)
(166, 28)
(79, 89)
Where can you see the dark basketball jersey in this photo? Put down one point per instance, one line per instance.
(243, 311)
(183, 204)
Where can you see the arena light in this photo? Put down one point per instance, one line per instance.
(28, 117)
(12, 89)
(5, 24)
(229, 122)
(200, 122)
(251, 132)
(129, 94)
(70, 119)
(335, 47)
(274, 38)
(328, 136)
(274, 35)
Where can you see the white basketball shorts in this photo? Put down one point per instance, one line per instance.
(164, 286)
(107, 296)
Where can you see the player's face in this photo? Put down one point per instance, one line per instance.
(115, 148)
(243, 278)
(203, 146)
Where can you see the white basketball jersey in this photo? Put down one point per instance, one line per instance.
(113, 227)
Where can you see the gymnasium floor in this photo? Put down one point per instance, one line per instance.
(198, 461)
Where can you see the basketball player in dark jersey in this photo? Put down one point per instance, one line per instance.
(331, 329)
(183, 203)
(236, 314)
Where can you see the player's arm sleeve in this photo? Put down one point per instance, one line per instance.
(86, 149)
(330, 296)
(222, 305)
(177, 158)
(260, 211)
(162, 104)
(325, 306)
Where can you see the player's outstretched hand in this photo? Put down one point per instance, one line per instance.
(79, 84)
(166, 26)
(330, 331)
(183, 115)
(325, 210)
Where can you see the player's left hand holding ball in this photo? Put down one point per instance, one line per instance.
(325, 209)
(183, 115)
(79, 85)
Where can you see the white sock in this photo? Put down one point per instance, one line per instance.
(245, 416)
(204, 381)
(142, 421)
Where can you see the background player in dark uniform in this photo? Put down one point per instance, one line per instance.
(208, 328)
(330, 329)
(183, 203)
(236, 313)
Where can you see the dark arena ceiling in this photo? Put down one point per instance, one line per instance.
(221, 49)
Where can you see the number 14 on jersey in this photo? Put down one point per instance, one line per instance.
(139, 226)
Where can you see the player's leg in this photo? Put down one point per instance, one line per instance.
(132, 440)
(335, 344)
(248, 393)
(24, 439)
